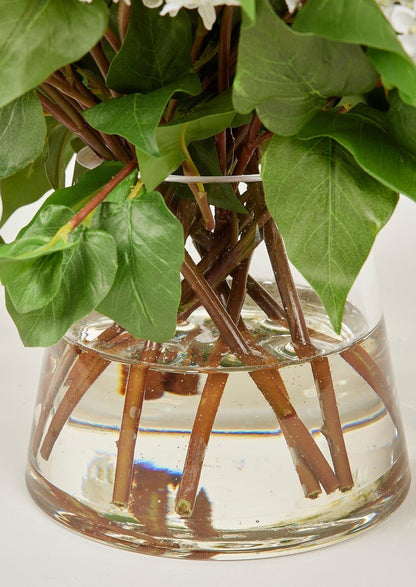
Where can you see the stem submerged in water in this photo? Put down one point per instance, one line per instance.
(305, 350)
(133, 402)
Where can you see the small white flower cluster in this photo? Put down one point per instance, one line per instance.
(206, 8)
(115, 1)
(402, 17)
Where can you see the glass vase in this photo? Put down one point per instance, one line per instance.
(186, 450)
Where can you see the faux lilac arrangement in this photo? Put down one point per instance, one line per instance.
(319, 97)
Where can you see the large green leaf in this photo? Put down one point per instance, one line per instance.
(137, 116)
(363, 23)
(328, 211)
(365, 133)
(204, 122)
(38, 284)
(86, 273)
(145, 295)
(39, 36)
(155, 52)
(34, 243)
(277, 72)
(22, 133)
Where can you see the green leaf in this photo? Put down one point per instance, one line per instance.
(122, 191)
(145, 295)
(47, 222)
(39, 36)
(22, 133)
(205, 121)
(59, 155)
(79, 194)
(363, 23)
(328, 211)
(401, 120)
(87, 272)
(249, 9)
(137, 116)
(156, 51)
(277, 73)
(38, 284)
(14, 189)
(365, 133)
(18, 256)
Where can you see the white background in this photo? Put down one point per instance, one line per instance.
(37, 552)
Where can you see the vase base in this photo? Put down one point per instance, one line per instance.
(271, 541)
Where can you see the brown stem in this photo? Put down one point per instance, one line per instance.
(74, 106)
(187, 214)
(367, 368)
(308, 458)
(266, 136)
(209, 404)
(332, 428)
(207, 261)
(97, 84)
(121, 152)
(201, 199)
(100, 59)
(221, 143)
(356, 356)
(214, 307)
(86, 369)
(85, 91)
(305, 350)
(84, 133)
(201, 432)
(62, 84)
(133, 403)
(240, 137)
(224, 47)
(249, 146)
(229, 261)
(265, 301)
(102, 194)
(77, 83)
(123, 19)
(112, 40)
(103, 64)
(208, 407)
(66, 361)
(200, 34)
(70, 106)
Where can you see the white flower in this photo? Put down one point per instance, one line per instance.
(206, 8)
(115, 1)
(402, 17)
(293, 5)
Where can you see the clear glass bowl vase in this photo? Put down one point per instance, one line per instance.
(290, 450)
